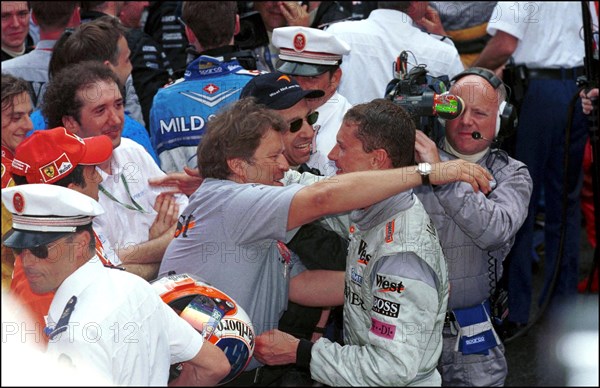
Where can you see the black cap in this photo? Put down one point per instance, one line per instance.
(277, 91)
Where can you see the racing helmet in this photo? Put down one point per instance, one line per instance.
(214, 314)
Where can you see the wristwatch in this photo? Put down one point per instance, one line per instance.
(424, 169)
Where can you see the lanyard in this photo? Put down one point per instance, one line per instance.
(137, 207)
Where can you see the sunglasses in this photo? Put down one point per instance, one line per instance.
(41, 251)
(297, 124)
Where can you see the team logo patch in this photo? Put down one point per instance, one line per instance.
(49, 171)
(356, 277)
(56, 168)
(299, 42)
(184, 224)
(64, 167)
(382, 329)
(387, 286)
(389, 231)
(285, 78)
(363, 256)
(211, 88)
(18, 202)
(385, 307)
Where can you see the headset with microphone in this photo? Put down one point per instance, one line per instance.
(506, 121)
(477, 136)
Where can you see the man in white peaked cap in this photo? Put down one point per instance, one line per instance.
(110, 318)
(313, 57)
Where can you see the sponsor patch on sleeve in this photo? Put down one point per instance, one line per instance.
(382, 329)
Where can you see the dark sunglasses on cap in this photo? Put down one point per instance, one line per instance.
(297, 124)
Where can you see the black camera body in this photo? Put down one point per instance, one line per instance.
(424, 97)
(415, 91)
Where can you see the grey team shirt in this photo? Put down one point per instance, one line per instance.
(229, 237)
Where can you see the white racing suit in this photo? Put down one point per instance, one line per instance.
(476, 232)
(396, 291)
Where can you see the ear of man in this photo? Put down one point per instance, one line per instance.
(70, 124)
(238, 167)
(380, 159)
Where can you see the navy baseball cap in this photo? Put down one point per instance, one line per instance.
(277, 91)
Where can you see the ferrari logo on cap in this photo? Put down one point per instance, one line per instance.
(49, 171)
(18, 202)
(285, 78)
(299, 42)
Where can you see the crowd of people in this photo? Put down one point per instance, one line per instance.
(141, 141)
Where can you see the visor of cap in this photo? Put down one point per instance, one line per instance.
(24, 239)
(302, 69)
(98, 150)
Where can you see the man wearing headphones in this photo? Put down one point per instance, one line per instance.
(476, 230)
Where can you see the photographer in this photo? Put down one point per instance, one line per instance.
(476, 230)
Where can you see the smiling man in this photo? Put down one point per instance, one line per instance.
(283, 94)
(16, 108)
(86, 98)
(15, 29)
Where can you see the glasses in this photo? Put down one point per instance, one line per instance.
(297, 124)
(41, 251)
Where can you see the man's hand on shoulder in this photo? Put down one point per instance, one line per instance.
(186, 182)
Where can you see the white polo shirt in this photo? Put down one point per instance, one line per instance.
(120, 326)
(130, 212)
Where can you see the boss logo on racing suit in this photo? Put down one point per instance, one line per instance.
(353, 298)
(363, 257)
(355, 277)
(385, 307)
(387, 286)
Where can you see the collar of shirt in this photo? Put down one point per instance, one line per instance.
(390, 17)
(206, 66)
(47, 45)
(381, 211)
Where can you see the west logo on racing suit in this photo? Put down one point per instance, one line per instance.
(363, 258)
(387, 286)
